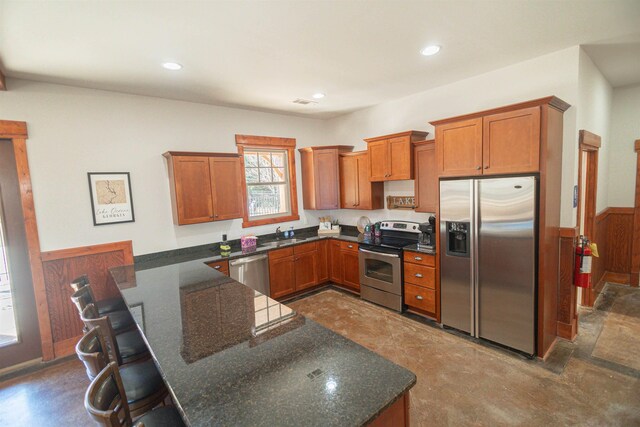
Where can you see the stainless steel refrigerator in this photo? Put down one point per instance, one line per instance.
(488, 259)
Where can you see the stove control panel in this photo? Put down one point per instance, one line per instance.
(406, 226)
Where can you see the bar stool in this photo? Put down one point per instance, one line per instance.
(106, 402)
(124, 347)
(106, 305)
(142, 383)
(121, 320)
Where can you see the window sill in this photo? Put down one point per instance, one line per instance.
(266, 221)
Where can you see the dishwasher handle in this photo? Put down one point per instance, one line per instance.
(248, 260)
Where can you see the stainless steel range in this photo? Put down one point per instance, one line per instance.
(381, 263)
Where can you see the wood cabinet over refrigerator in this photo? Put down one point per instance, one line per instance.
(523, 138)
(321, 176)
(426, 176)
(391, 156)
(205, 187)
(356, 190)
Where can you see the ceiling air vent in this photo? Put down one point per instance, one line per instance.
(303, 101)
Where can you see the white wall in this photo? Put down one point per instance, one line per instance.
(552, 74)
(625, 129)
(73, 131)
(594, 115)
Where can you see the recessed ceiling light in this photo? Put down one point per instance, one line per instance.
(173, 66)
(318, 95)
(430, 50)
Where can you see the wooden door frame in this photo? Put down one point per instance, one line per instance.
(589, 145)
(635, 251)
(17, 133)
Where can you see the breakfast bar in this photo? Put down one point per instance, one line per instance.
(233, 356)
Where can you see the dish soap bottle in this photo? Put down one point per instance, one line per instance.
(225, 248)
(291, 232)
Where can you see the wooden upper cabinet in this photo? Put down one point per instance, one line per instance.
(226, 186)
(356, 190)
(379, 160)
(320, 176)
(205, 187)
(391, 156)
(191, 187)
(426, 176)
(511, 142)
(459, 148)
(501, 141)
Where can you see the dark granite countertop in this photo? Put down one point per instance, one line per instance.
(416, 248)
(212, 253)
(232, 356)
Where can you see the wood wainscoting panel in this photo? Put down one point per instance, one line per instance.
(61, 267)
(619, 240)
(635, 250)
(614, 236)
(567, 316)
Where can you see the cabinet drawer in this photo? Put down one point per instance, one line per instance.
(280, 253)
(221, 266)
(419, 297)
(420, 258)
(420, 275)
(349, 246)
(304, 248)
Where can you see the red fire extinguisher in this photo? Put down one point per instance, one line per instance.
(582, 272)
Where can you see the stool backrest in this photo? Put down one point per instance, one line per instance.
(82, 297)
(79, 282)
(92, 351)
(91, 320)
(105, 399)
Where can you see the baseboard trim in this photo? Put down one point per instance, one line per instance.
(568, 331)
(66, 347)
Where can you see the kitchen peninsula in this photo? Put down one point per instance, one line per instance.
(232, 356)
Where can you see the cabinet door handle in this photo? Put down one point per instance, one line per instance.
(419, 297)
(418, 258)
(350, 246)
(419, 276)
(217, 267)
(478, 168)
(486, 167)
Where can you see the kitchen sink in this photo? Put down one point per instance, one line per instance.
(281, 242)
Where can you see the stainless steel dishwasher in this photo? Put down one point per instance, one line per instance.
(252, 271)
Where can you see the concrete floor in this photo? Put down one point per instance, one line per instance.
(592, 382)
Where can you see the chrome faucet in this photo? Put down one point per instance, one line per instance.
(278, 233)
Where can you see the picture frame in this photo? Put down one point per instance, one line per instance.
(111, 197)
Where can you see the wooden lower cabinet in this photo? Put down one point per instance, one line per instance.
(293, 269)
(282, 278)
(296, 268)
(396, 415)
(335, 273)
(221, 266)
(306, 270)
(323, 261)
(421, 288)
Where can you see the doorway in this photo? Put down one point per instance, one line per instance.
(589, 144)
(19, 331)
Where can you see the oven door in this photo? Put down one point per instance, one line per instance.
(381, 270)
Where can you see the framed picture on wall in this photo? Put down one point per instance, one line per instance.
(111, 200)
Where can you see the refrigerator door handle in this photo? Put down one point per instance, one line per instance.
(475, 274)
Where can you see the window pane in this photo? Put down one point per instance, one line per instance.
(278, 159)
(278, 175)
(251, 174)
(265, 175)
(267, 199)
(251, 160)
(265, 160)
